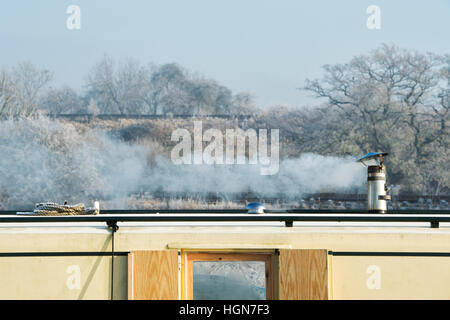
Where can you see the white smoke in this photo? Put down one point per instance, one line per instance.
(307, 174)
(47, 160)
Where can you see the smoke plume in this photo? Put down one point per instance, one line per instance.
(48, 160)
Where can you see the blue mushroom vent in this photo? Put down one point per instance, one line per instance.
(255, 207)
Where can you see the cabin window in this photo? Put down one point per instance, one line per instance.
(230, 276)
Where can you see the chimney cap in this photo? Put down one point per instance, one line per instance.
(373, 158)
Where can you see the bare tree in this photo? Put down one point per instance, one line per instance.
(62, 101)
(242, 103)
(28, 82)
(132, 82)
(6, 95)
(390, 100)
(118, 89)
(21, 88)
(101, 85)
(165, 92)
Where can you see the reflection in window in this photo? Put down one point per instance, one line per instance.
(231, 280)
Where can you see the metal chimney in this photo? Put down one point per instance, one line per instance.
(376, 182)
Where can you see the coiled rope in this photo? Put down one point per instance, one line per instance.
(54, 209)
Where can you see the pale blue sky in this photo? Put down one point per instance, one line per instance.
(265, 47)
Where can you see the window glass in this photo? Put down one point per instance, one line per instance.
(231, 280)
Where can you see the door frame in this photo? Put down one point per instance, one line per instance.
(191, 256)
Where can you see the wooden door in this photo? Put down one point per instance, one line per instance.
(153, 275)
(303, 274)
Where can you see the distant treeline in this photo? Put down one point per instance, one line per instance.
(124, 87)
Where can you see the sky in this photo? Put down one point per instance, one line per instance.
(264, 47)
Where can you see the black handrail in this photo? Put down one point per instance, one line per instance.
(237, 211)
(288, 218)
(286, 211)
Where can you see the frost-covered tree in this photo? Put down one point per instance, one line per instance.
(118, 88)
(62, 101)
(392, 100)
(21, 89)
